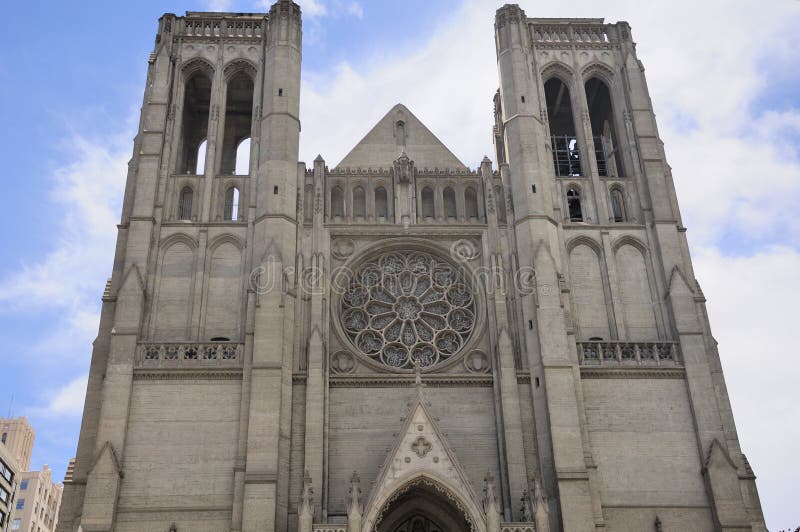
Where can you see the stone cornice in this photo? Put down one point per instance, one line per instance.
(209, 374)
(632, 373)
(406, 381)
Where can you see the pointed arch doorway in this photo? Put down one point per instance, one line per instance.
(423, 508)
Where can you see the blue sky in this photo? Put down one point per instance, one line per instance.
(724, 87)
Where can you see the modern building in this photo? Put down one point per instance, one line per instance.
(38, 502)
(18, 436)
(399, 342)
(8, 487)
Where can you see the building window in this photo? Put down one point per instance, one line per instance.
(618, 205)
(574, 205)
(20, 503)
(381, 203)
(16, 524)
(5, 435)
(185, 204)
(449, 203)
(604, 135)
(471, 203)
(6, 472)
(337, 202)
(238, 125)
(4, 495)
(231, 211)
(428, 210)
(359, 202)
(501, 204)
(564, 141)
(23, 485)
(196, 106)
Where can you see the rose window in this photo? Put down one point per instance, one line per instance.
(408, 307)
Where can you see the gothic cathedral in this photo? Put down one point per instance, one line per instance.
(398, 342)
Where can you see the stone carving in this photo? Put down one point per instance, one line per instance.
(477, 362)
(342, 362)
(342, 248)
(464, 250)
(408, 307)
(421, 446)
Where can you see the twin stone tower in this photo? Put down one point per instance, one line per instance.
(401, 343)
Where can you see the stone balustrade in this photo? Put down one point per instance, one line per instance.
(189, 355)
(222, 27)
(602, 353)
(329, 528)
(573, 33)
(517, 527)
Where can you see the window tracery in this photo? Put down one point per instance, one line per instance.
(408, 307)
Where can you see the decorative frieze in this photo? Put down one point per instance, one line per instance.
(189, 355)
(517, 527)
(601, 353)
(222, 27)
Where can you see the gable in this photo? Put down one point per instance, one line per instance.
(397, 132)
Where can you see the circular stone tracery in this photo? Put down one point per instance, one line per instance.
(406, 307)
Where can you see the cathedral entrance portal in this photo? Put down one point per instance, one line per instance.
(423, 509)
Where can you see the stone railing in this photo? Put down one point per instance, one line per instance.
(576, 33)
(189, 355)
(629, 353)
(517, 527)
(329, 528)
(222, 27)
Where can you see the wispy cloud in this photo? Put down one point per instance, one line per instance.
(219, 5)
(68, 400)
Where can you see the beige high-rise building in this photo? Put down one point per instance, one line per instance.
(9, 479)
(38, 502)
(399, 342)
(18, 436)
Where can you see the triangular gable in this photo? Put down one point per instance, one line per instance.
(387, 140)
(421, 453)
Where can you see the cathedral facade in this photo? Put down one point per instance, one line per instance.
(400, 342)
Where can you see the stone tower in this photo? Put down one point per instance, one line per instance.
(400, 342)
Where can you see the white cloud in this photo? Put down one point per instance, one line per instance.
(69, 399)
(355, 9)
(313, 8)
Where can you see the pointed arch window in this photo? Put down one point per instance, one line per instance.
(618, 205)
(238, 124)
(381, 203)
(337, 202)
(185, 204)
(450, 211)
(194, 121)
(604, 134)
(428, 210)
(574, 205)
(359, 202)
(308, 204)
(471, 203)
(563, 138)
(501, 204)
(231, 211)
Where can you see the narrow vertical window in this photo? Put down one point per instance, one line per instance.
(194, 121)
(471, 203)
(200, 158)
(231, 204)
(450, 203)
(381, 203)
(337, 202)
(185, 204)
(238, 124)
(359, 203)
(308, 204)
(563, 139)
(428, 210)
(604, 134)
(574, 205)
(618, 205)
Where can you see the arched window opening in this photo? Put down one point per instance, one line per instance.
(200, 162)
(243, 158)
(359, 203)
(238, 124)
(501, 204)
(618, 205)
(471, 203)
(450, 203)
(604, 134)
(564, 141)
(574, 205)
(308, 204)
(231, 204)
(337, 202)
(194, 124)
(381, 203)
(428, 210)
(185, 204)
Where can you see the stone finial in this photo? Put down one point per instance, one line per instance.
(541, 511)
(490, 504)
(486, 167)
(354, 509)
(305, 516)
(527, 509)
